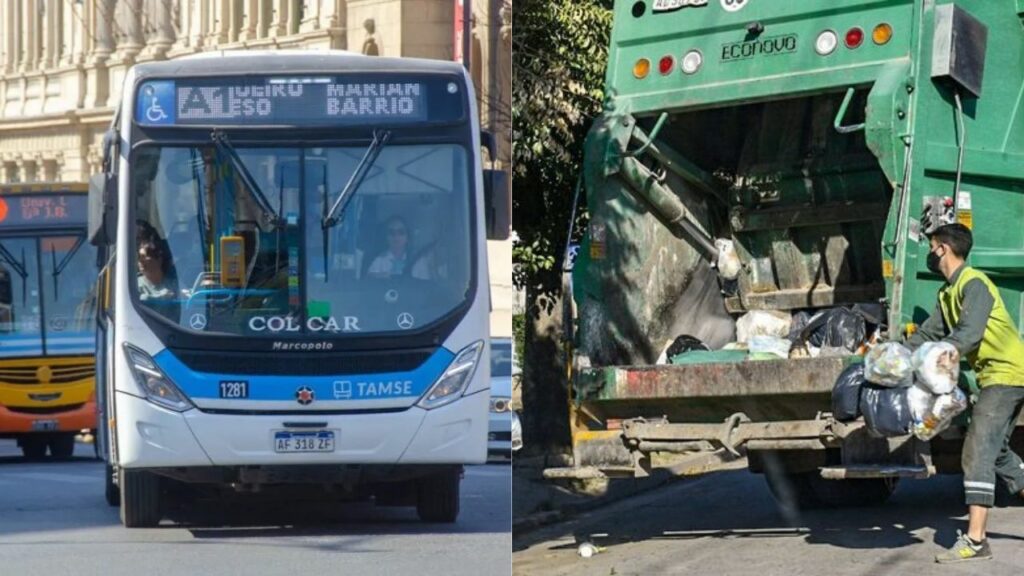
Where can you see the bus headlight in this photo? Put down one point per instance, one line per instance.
(157, 387)
(499, 404)
(450, 386)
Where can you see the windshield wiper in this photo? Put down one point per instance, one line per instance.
(333, 216)
(224, 146)
(56, 269)
(19, 268)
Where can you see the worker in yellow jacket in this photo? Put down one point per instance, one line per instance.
(970, 315)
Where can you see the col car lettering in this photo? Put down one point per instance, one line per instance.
(292, 324)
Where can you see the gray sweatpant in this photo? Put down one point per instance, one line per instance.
(987, 451)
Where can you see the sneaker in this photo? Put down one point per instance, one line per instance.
(965, 549)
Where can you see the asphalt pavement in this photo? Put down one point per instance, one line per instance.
(55, 521)
(728, 524)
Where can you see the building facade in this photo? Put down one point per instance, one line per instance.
(62, 63)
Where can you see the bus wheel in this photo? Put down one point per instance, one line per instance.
(437, 497)
(112, 492)
(33, 447)
(140, 498)
(62, 445)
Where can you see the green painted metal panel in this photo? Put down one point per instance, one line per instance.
(786, 60)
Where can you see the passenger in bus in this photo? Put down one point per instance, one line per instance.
(395, 261)
(157, 278)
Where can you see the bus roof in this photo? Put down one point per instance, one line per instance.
(288, 62)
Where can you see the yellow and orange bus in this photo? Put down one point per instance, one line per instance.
(47, 317)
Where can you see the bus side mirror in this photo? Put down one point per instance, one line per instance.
(497, 204)
(102, 210)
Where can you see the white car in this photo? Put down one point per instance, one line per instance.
(499, 433)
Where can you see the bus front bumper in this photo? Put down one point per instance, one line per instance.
(152, 437)
(15, 420)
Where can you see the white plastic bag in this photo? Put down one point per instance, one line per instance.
(889, 364)
(945, 408)
(921, 402)
(762, 323)
(770, 345)
(729, 264)
(937, 365)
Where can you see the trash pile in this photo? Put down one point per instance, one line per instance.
(901, 393)
(771, 335)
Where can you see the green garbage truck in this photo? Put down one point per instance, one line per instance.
(816, 142)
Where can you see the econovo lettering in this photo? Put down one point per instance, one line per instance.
(292, 324)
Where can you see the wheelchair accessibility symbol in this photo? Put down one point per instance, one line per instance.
(155, 112)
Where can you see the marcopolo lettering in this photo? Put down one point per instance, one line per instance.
(293, 324)
(761, 47)
(301, 346)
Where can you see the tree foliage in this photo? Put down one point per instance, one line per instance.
(559, 54)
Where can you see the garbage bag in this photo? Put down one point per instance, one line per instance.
(889, 364)
(772, 345)
(846, 393)
(937, 365)
(729, 264)
(886, 410)
(944, 409)
(685, 343)
(920, 401)
(762, 323)
(839, 329)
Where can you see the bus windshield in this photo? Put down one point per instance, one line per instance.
(46, 308)
(231, 240)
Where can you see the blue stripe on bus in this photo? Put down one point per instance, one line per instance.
(380, 386)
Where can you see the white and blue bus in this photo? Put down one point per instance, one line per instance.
(294, 289)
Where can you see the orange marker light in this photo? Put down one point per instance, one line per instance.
(882, 34)
(641, 68)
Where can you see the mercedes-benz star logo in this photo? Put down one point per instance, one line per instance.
(405, 321)
(304, 395)
(197, 322)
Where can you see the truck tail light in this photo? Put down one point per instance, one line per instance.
(854, 37)
(882, 34)
(692, 62)
(826, 43)
(641, 68)
(665, 64)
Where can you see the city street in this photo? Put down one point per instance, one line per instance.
(54, 520)
(728, 524)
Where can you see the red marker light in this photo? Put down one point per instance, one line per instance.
(854, 37)
(665, 65)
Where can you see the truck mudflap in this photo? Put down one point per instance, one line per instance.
(643, 445)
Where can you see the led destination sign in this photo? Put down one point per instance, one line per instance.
(355, 99)
(48, 210)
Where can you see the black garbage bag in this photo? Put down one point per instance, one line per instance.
(685, 343)
(846, 393)
(886, 410)
(835, 328)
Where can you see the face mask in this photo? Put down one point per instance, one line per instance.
(933, 262)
